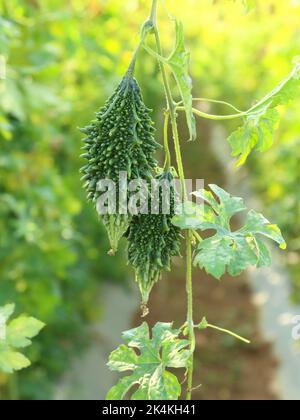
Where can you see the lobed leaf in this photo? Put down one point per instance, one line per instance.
(256, 133)
(148, 366)
(11, 360)
(228, 250)
(21, 329)
(15, 334)
(188, 216)
(262, 119)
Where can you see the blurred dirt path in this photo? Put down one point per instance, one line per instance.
(89, 378)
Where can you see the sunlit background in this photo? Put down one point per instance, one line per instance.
(63, 59)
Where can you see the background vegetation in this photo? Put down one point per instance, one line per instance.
(63, 60)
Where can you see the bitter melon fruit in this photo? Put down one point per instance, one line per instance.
(152, 242)
(119, 139)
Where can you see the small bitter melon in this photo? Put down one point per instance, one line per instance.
(152, 242)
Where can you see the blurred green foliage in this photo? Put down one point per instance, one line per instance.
(52, 247)
(63, 60)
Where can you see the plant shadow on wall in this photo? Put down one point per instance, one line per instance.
(121, 139)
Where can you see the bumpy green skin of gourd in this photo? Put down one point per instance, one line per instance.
(152, 242)
(119, 139)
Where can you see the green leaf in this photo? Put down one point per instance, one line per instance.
(215, 255)
(256, 223)
(179, 62)
(283, 93)
(213, 216)
(227, 206)
(243, 256)
(6, 311)
(11, 360)
(264, 254)
(15, 334)
(21, 329)
(188, 216)
(256, 133)
(203, 324)
(228, 250)
(148, 366)
(119, 391)
(262, 119)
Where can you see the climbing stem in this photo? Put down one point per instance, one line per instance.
(216, 101)
(172, 113)
(178, 153)
(153, 12)
(190, 324)
(213, 117)
(166, 142)
(170, 102)
(131, 67)
(223, 330)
